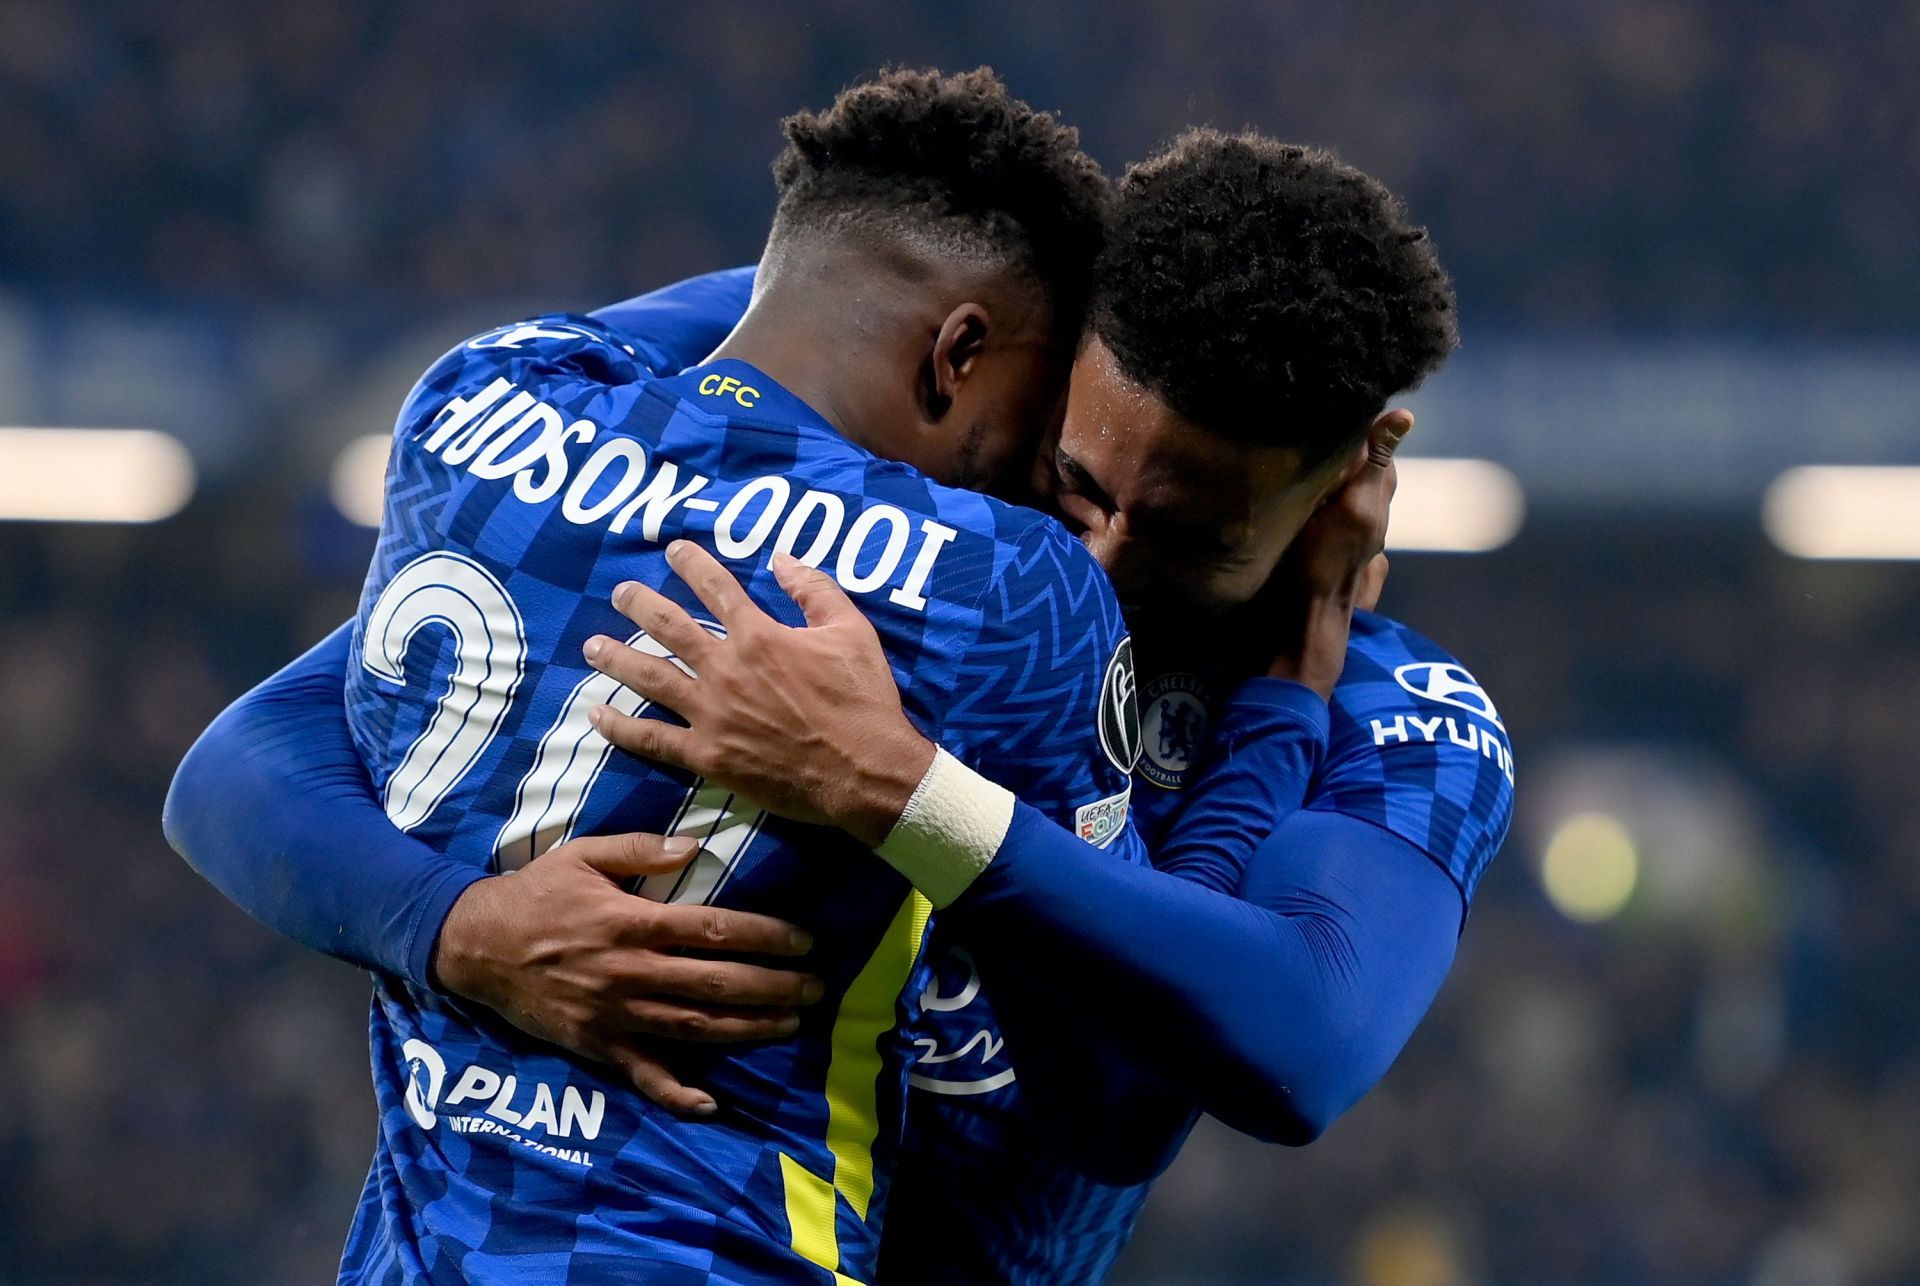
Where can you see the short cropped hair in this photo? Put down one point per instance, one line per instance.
(953, 165)
(1269, 292)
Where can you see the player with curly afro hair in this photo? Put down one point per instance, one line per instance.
(1255, 306)
(1269, 292)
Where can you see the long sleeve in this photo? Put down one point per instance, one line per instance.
(1273, 1010)
(274, 808)
(273, 805)
(1269, 742)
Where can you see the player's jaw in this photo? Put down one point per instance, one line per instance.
(1183, 519)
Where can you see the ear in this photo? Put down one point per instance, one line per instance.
(955, 349)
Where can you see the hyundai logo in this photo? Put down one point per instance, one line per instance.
(1449, 684)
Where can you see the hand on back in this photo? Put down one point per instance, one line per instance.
(564, 951)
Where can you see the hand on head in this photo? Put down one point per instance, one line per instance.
(1336, 564)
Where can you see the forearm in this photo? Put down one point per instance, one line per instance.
(1273, 1011)
(274, 808)
(1261, 758)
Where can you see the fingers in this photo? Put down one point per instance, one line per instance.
(815, 593)
(1389, 430)
(664, 620)
(712, 928)
(631, 856)
(1355, 469)
(651, 1077)
(713, 584)
(669, 1021)
(653, 677)
(654, 739)
(724, 982)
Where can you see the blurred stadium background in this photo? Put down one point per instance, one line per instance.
(1682, 1042)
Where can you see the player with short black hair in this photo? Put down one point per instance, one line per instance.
(1256, 304)
(950, 165)
(910, 335)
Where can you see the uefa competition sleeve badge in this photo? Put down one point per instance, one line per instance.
(1173, 727)
(1119, 715)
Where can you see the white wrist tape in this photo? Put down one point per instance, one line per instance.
(951, 829)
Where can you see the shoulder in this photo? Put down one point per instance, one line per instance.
(1047, 600)
(1393, 668)
(1044, 576)
(1418, 746)
(1051, 669)
(553, 344)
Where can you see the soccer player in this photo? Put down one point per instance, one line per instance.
(985, 1201)
(1312, 877)
(919, 301)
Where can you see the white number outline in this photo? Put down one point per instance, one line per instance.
(551, 796)
(454, 591)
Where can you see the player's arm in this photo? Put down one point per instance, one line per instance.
(677, 326)
(274, 807)
(1273, 1009)
(1078, 930)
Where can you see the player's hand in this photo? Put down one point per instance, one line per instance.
(1336, 564)
(1373, 583)
(562, 951)
(805, 722)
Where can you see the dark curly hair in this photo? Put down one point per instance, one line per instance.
(1268, 292)
(956, 165)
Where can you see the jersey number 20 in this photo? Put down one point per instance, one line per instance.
(490, 655)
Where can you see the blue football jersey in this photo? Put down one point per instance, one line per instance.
(1414, 746)
(533, 469)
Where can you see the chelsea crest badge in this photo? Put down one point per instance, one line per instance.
(1173, 728)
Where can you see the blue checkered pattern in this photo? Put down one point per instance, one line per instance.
(499, 1159)
(1414, 746)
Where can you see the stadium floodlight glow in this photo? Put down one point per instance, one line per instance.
(1845, 511)
(359, 482)
(92, 475)
(1454, 506)
(1590, 867)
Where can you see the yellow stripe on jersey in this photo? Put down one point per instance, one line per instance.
(868, 1012)
(810, 1217)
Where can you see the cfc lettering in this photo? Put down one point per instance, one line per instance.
(725, 385)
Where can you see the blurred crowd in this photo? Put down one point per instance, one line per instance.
(1587, 162)
(1723, 1083)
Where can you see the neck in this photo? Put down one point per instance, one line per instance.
(798, 361)
(831, 351)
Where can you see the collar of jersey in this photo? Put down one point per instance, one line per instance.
(775, 405)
